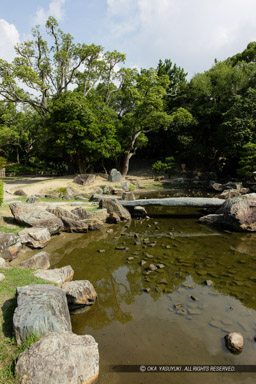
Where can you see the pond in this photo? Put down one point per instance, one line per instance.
(168, 316)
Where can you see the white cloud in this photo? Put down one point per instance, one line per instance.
(55, 9)
(190, 33)
(9, 37)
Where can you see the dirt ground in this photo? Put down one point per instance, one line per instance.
(43, 185)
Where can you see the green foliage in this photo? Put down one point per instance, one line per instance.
(82, 130)
(1, 192)
(247, 161)
(167, 167)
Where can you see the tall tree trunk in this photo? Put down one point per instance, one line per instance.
(127, 157)
(17, 155)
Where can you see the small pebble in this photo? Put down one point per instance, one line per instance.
(194, 298)
(101, 250)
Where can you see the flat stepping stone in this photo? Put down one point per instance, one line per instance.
(57, 275)
(194, 311)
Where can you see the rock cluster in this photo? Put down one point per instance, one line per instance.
(238, 214)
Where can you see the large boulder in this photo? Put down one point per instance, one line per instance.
(238, 214)
(32, 215)
(98, 198)
(80, 292)
(59, 358)
(3, 263)
(60, 212)
(80, 212)
(10, 245)
(40, 308)
(84, 179)
(39, 261)
(70, 225)
(113, 206)
(58, 276)
(115, 176)
(20, 192)
(128, 196)
(35, 237)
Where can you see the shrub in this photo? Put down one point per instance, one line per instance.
(247, 161)
(160, 167)
(1, 192)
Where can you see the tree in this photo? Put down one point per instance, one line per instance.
(41, 72)
(81, 130)
(140, 107)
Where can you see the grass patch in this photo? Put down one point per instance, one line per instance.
(11, 229)
(9, 352)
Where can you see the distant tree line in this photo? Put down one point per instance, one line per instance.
(70, 107)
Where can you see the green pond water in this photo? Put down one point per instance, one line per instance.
(133, 326)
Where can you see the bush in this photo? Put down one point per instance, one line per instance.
(1, 192)
(247, 161)
(160, 167)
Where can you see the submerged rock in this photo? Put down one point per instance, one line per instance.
(40, 308)
(59, 358)
(234, 342)
(113, 206)
(80, 292)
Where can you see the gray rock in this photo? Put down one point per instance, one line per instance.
(99, 214)
(152, 267)
(209, 283)
(107, 189)
(20, 192)
(32, 199)
(98, 198)
(84, 179)
(3, 263)
(80, 292)
(40, 308)
(113, 206)
(93, 224)
(139, 211)
(58, 276)
(128, 196)
(98, 190)
(80, 213)
(10, 245)
(113, 218)
(230, 193)
(70, 192)
(60, 358)
(201, 202)
(117, 191)
(2, 276)
(60, 212)
(77, 226)
(238, 214)
(53, 196)
(125, 186)
(234, 342)
(115, 176)
(81, 196)
(35, 237)
(27, 214)
(39, 261)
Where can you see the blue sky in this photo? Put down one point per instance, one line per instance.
(192, 33)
